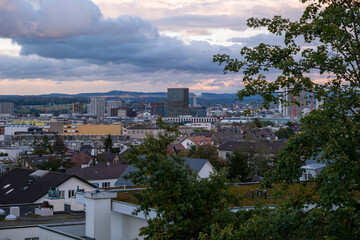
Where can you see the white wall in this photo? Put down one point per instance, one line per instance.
(70, 184)
(98, 218)
(112, 182)
(11, 130)
(222, 154)
(206, 170)
(124, 225)
(187, 143)
(19, 233)
(13, 153)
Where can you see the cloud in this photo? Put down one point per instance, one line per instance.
(52, 18)
(53, 32)
(34, 75)
(203, 21)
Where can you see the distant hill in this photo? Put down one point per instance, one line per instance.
(57, 98)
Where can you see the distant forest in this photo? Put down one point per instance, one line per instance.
(26, 101)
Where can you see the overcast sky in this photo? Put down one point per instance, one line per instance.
(74, 46)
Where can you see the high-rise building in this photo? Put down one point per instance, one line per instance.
(160, 108)
(113, 104)
(97, 107)
(177, 101)
(6, 108)
(290, 109)
(198, 112)
(77, 108)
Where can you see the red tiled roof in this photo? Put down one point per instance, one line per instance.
(201, 140)
(80, 158)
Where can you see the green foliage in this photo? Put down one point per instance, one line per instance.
(108, 144)
(207, 152)
(284, 133)
(185, 205)
(331, 134)
(257, 122)
(54, 165)
(238, 163)
(42, 146)
(59, 146)
(201, 130)
(244, 165)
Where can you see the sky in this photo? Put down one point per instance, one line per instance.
(78, 46)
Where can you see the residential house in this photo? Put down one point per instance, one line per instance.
(141, 130)
(312, 169)
(176, 148)
(33, 162)
(222, 137)
(81, 158)
(202, 167)
(22, 185)
(265, 148)
(102, 175)
(197, 141)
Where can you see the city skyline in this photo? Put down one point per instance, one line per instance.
(50, 46)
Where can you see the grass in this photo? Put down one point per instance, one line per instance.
(274, 195)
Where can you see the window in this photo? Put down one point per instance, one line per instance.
(71, 193)
(105, 184)
(34, 238)
(62, 193)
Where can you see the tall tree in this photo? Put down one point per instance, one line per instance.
(185, 205)
(108, 143)
(330, 32)
(284, 133)
(59, 146)
(238, 163)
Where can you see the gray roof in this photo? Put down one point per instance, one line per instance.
(195, 163)
(22, 185)
(273, 147)
(102, 170)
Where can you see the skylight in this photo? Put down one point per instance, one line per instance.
(9, 191)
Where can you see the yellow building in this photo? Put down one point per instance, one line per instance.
(92, 129)
(34, 122)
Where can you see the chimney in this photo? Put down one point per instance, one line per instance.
(84, 165)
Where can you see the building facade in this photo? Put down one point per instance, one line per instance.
(177, 102)
(291, 109)
(113, 104)
(97, 107)
(92, 129)
(6, 108)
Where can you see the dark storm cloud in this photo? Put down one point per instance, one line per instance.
(75, 29)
